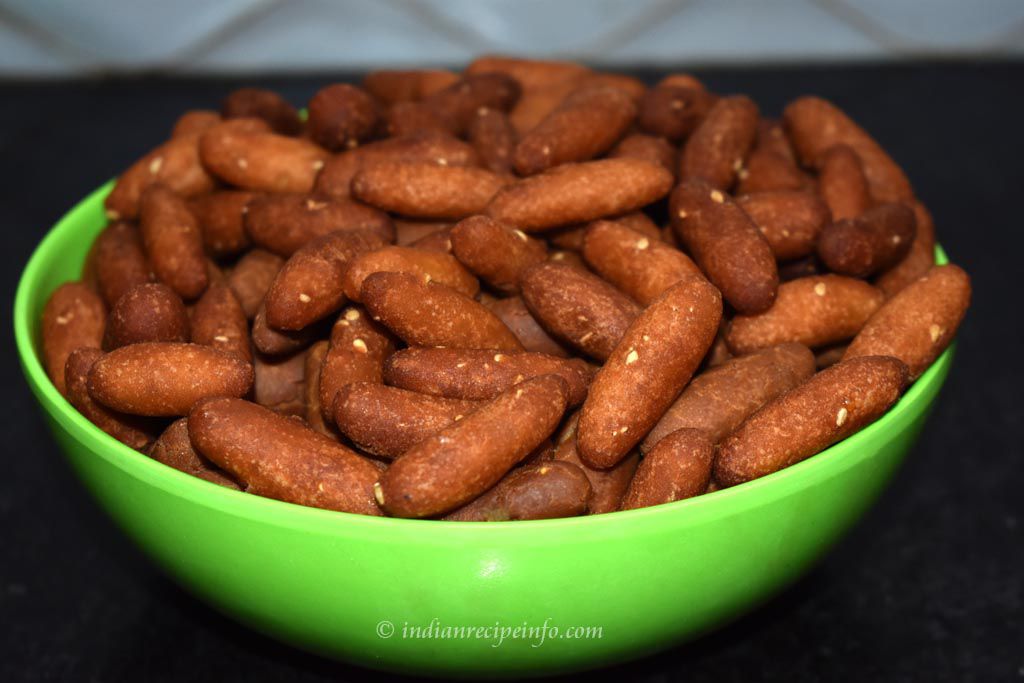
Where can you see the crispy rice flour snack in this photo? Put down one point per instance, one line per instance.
(388, 306)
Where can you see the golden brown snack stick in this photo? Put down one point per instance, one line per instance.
(131, 430)
(919, 322)
(388, 421)
(542, 490)
(918, 260)
(194, 122)
(877, 239)
(74, 317)
(274, 342)
(640, 266)
(357, 351)
(462, 461)
(576, 193)
(341, 116)
(335, 179)
(726, 245)
(284, 223)
(607, 487)
(174, 164)
(568, 258)
(790, 220)
(251, 278)
(496, 252)
(494, 139)
(681, 80)
(166, 378)
(439, 241)
(586, 124)
(828, 407)
(478, 375)
(829, 356)
(278, 383)
(146, 313)
(265, 105)
(650, 366)
(173, 244)
(174, 449)
(430, 314)
(815, 125)
(815, 311)
(279, 457)
(457, 104)
(408, 231)
(430, 265)
(673, 112)
(720, 398)
(314, 411)
(415, 118)
(219, 321)
(513, 312)
(250, 159)
(717, 149)
(426, 190)
(842, 183)
(577, 307)
(766, 170)
(529, 73)
(647, 148)
(391, 86)
(220, 216)
(309, 286)
(119, 261)
(678, 467)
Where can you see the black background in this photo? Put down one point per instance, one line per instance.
(926, 588)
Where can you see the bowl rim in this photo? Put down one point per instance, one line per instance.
(729, 501)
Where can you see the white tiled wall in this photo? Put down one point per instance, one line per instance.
(59, 37)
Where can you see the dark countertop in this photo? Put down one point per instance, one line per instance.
(926, 588)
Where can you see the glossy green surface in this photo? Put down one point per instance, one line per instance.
(325, 581)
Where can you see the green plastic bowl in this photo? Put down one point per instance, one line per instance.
(445, 598)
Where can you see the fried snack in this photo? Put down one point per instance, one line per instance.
(673, 112)
(646, 148)
(74, 317)
(542, 490)
(496, 252)
(494, 139)
(719, 146)
(285, 223)
(219, 321)
(251, 278)
(173, 244)
(174, 449)
(278, 383)
(842, 183)
(431, 266)
(221, 219)
(341, 116)
(119, 261)
(517, 317)
(876, 240)
(391, 86)
(151, 312)
(357, 351)
(266, 105)
(426, 190)
(918, 260)
(678, 467)
(607, 487)
(131, 430)
(790, 220)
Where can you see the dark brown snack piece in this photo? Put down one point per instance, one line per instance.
(640, 266)
(439, 241)
(174, 449)
(251, 278)
(842, 183)
(464, 460)
(279, 383)
(131, 430)
(815, 311)
(815, 126)
(790, 220)
(646, 148)
(542, 490)
(726, 244)
(919, 322)
(717, 149)
(173, 244)
(586, 124)
(388, 421)
(74, 317)
(314, 412)
(432, 266)
(827, 408)
(430, 314)
(166, 378)
(426, 190)
(830, 355)
(577, 193)
(478, 375)
(678, 467)
(219, 321)
(280, 457)
(513, 312)
(720, 398)
(341, 116)
(577, 307)
(221, 219)
(274, 342)
(766, 170)
(918, 260)
(673, 112)
(648, 368)
(151, 312)
(285, 223)
(409, 231)
(119, 261)
(608, 486)
(357, 351)
(262, 104)
(310, 285)
(496, 252)
(395, 85)
(457, 104)
(194, 122)
(494, 139)
(877, 239)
